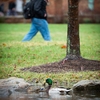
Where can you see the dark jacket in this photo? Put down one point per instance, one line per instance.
(2, 8)
(11, 5)
(40, 9)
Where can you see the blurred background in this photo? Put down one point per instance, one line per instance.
(11, 11)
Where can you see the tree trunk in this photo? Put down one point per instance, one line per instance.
(73, 40)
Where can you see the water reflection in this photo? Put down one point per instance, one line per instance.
(44, 96)
(86, 98)
(35, 96)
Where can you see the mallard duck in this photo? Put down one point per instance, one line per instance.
(56, 90)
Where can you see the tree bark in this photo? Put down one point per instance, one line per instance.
(73, 40)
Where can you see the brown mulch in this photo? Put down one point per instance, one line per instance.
(66, 66)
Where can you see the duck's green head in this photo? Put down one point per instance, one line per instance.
(49, 81)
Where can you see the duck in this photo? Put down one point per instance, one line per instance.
(56, 90)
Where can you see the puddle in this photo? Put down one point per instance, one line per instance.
(45, 96)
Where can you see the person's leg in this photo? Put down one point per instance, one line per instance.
(42, 26)
(14, 13)
(11, 12)
(31, 33)
(8, 13)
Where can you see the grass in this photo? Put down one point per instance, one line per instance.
(15, 54)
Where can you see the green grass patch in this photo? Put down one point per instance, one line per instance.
(15, 54)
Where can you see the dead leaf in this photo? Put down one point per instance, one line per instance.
(63, 46)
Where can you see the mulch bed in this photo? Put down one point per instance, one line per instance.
(66, 66)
